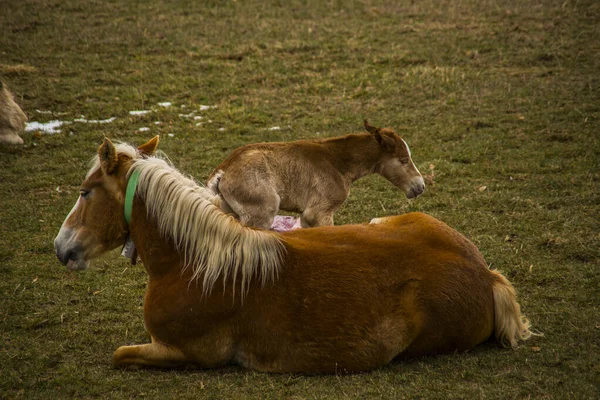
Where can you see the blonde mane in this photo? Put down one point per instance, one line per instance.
(213, 244)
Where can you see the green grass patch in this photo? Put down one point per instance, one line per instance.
(499, 102)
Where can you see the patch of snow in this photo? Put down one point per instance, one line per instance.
(221, 129)
(46, 127)
(170, 134)
(274, 128)
(95, 121)
(187, 115)
(204, 107)
(139, 112)
(199, 123)
(43, 111)
(165, 104)
(198, 117)
(157, 122)
(143, 129)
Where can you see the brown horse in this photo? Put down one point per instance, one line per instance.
(12, 118)
(345, 298)
(311, 177)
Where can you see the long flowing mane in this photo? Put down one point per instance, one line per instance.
(213, 244)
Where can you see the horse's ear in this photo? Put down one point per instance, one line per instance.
(370, 128)
(108, 156)
(149, 148)
(384, 141)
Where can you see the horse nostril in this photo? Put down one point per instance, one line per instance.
(62, 259)
(420, 186)
(65, 257)
(416, 189)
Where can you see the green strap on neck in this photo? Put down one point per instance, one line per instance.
(131, 186)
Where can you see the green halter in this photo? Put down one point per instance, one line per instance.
(131, 185)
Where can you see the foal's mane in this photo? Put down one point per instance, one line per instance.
(213, 244)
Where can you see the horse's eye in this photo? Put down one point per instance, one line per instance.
(84, 193)
(404, 161)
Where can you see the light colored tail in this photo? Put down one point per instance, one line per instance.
(510, 326)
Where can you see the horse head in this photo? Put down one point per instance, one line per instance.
(96, 223)
(395, 163)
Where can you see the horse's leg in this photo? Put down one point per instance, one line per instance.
(148, 355)
(312, 217)
(260, 214)
(258, 217)
(255, 208)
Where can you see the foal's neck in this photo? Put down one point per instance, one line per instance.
(354, 155)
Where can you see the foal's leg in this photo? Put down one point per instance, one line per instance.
(148, 355)
(254, 201)
(258, 217)
(383, 220)
(311, 218)
(256, 212)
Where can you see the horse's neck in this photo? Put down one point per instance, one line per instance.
(157, 253)
(206, 244)
(354, 155)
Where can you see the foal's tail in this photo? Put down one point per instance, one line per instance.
(218, 200)
(213, 182)
(510, 325)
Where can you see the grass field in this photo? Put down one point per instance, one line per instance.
(499, 101)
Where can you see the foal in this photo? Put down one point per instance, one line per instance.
(311, 177)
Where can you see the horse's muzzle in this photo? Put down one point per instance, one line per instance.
(416, 188)
(70, 256)
(65, 256)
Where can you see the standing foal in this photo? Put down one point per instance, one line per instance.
(311, 177)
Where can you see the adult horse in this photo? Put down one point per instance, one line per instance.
(311, 177)
(344, 298)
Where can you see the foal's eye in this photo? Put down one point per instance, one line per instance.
(404, 161)
(84, 193)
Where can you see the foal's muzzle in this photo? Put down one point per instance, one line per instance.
(416, 188)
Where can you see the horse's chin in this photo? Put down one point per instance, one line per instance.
(77, 264)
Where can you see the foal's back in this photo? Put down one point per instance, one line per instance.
(304, 176)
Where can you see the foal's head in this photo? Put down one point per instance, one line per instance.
(395, 163)
(96, 224)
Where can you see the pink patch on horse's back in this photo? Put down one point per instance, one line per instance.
(284, 223)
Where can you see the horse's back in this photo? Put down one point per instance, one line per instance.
(292, 176)
(412, 264)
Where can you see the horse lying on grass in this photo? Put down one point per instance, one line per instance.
(12, 118)
(328, 299)
(311, 177)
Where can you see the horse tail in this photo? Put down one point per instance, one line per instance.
(510, 326)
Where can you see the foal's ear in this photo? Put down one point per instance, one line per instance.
(370, 128)
(384, 140)
(149, 148)
(108, 156)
